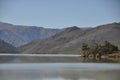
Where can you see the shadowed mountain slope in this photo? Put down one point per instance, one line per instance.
(18, 35)
(6, 48)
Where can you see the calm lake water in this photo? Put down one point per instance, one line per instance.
(57, 67)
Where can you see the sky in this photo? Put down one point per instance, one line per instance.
(60, 13)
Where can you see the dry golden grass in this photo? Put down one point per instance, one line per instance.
(116, 54)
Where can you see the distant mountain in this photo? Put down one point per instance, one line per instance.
(71, 39)
(6, 48)
(18, 35)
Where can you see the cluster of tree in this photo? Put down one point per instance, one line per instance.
(98, 49)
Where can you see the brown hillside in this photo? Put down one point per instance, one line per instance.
(70, 39)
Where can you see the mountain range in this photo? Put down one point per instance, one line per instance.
(69, 40)
(18, 35)
(5, 47)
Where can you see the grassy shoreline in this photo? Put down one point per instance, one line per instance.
(114, 55)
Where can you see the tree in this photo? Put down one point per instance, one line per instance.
(85, 49)
(106, 48)
(109, 48)
(94, 49)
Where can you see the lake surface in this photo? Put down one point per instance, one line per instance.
(57, 67)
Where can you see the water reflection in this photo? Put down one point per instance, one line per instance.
(37, 59)
(99, 60)
(6, 59)
(58, 68)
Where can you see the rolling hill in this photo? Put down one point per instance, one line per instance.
(70, 39)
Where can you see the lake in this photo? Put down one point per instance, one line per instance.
(57, 67)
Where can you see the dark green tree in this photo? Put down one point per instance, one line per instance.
(109, 48)
(99, 50)
(85, 49)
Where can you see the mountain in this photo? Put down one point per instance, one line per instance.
(6, 48)
(70, 39)
(18, 35)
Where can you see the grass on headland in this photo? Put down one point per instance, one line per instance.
(115, 54)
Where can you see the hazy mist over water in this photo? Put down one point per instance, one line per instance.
(57, 67)
(60, 71)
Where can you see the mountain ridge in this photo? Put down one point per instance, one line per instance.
(70, 39)
(18, 35)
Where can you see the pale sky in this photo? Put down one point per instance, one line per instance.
(60, 13)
